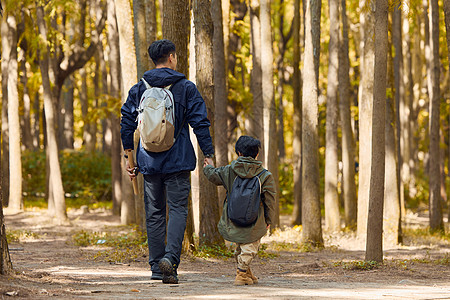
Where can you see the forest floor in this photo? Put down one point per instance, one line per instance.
(48, 263)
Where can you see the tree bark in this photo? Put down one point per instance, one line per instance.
(365, 116)
(15, 173)
(374, 243)
(348, 141)
(447, 31)
(6, 52)
(208, 203)
(68, 125)
(297, 134)
(391, 218)
(140, 37)
(56, 191)
(256, 124)
(220, 91)
(332, 219)
(5, 259)
(436, 221)
(114, 88)
(129, 78)
(150, 20)
(176, 27)
(36, 126)
(311, 217)
(27, 139)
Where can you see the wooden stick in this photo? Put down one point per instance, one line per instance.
(131, 163)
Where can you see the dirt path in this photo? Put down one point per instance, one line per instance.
(48, 264)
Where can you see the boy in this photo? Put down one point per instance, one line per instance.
(247, 238)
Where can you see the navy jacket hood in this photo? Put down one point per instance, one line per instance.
(162, 77)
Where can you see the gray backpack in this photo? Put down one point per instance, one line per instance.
(244, 200)
(156, 118)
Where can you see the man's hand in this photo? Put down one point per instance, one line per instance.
(132, 172)
(268, 226)
(208, 161)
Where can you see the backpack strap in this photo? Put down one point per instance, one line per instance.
(262, 172)
(147, 86)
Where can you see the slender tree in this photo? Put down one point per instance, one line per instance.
(348, 140)
(256, 124)
(5, 259)
(6, 52)
(436, 221)
(140, 36)
(114, 90)
(209, 206)
(220, 90)
(365, 115)
(447, 31)
(374, 243)
(332, 219)
(297, 134)
(129, 78)
(311, 217)
(55, 191)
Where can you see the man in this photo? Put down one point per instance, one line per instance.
(167, 173)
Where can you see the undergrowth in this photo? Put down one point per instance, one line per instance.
(357, 265)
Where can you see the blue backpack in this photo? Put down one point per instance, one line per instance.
(244, 200)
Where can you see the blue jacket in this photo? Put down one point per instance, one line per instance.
(181, 157)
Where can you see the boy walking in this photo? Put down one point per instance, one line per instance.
(246, 238)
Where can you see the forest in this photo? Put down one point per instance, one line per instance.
(349, 98)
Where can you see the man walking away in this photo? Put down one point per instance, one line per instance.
(166, 173)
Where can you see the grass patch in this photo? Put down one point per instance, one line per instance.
(19, 235)
(296, 247)
(357, 265)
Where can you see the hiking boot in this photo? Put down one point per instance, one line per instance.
(171, 279)
(169, 271)
(156, 276)
(242, 278)
(254, 278)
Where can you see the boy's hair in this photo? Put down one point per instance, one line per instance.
(160, 50)
(247, 146)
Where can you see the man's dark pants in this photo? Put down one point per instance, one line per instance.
(174, 187)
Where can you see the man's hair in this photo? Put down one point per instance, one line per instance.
(247, 146)
(160, 50)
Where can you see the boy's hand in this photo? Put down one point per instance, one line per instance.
(268, 226)
(208, 161)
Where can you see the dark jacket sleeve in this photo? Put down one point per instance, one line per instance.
(216, 175)
(269, 201)
(198, 119)
(129, 114)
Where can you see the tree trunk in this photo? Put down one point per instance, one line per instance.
(401, 110)
(115, 75)
(5, 259)
(68, 126)
(374, 244)
(27, 139)
(269, 111)
(311, 217)
(220, 91)
(348, 141)
(391, 218)
(332, 219)
(297, 134)
(140, 37)
(365, 116)
(6, 52)
(56, 191)
(447, 31)
(129, 78)
(37, 123)
(176, 27)
(208, 203)
(150, 20)
(436, 221)
(15, 173)
(256, 124)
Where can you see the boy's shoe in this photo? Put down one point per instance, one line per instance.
(254, 278)
(169, 271)
(242, 278)
(156, 276)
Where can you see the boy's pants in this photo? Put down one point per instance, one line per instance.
(245, 253)
(159, 188)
